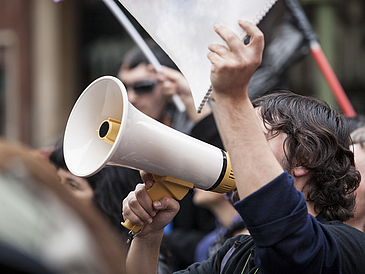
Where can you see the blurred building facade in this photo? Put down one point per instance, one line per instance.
(50, 52)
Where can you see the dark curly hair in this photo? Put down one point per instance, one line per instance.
(318, 139)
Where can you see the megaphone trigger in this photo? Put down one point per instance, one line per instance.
(164, 186)
(167, 186)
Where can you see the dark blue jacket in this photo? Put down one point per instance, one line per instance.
(286, 239)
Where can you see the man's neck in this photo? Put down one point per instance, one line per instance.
(311, 210)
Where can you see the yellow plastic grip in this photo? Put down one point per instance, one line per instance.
(164, 186)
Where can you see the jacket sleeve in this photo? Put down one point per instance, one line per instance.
(287, 238)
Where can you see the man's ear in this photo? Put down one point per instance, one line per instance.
(300, 171)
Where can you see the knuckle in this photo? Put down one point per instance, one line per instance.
(231, 37)
(133, 203)
(259, 35)
(139, 194)
(224, 67)
(126, 212)
(139, 190)
(229, 66)
(139, 186)
(165, 200)
(260, 38)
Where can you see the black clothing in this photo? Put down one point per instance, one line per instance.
(350, 242)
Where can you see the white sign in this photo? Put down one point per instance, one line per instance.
(184, 29)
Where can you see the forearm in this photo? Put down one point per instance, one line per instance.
(253, 162)
(246, 144)
(143, 254)
(139, 209)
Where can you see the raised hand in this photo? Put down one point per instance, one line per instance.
(233, 67)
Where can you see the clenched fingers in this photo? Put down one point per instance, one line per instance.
(137, 207)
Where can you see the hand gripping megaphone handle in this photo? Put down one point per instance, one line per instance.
(164, 186)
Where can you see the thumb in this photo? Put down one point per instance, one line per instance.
(167, 204)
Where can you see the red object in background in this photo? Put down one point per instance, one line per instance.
(303, 23)
(331, 79)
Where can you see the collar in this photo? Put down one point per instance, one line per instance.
(321, 217)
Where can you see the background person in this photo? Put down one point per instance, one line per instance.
(43, 228)
(106, 189)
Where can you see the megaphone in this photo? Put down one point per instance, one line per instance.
(105, 129)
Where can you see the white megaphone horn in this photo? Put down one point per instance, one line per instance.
(105, 129)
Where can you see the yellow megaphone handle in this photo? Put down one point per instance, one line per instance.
(164, 186)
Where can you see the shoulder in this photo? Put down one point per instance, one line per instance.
(346, 235)
(351, 244)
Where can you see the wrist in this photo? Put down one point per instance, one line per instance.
(151, 237)
(232, 97)
(150, 241)
(231, 103)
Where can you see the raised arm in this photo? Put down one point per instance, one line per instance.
(238, 123)
(269, 200)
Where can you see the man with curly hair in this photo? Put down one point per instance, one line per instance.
(294, 172)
